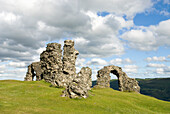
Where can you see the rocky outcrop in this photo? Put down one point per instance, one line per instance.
(80, 85)
(34, 69)
(51, 62)
(125, 83)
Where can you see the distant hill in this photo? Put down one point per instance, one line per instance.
(157, 87)
(37, 97)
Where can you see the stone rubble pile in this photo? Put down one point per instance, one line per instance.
(80, 85)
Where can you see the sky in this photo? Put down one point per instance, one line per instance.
(132, 34)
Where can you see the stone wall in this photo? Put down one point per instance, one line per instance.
(34, 69)
(51, 62)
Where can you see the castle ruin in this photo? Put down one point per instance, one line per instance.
(60, 71)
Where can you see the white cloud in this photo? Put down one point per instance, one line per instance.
(2, 66)
(97, 61)
(9, 17)
(130, 68)
(156, 65)
(119, 7)
(168, 56)
(80, 41)
(166, 1)
(155, 58)
(162, 33)
(127, 60)
(12, 70)
(80, 62)
(36, 23)
(100, 40)
(119, 61)
(94, 73)
(166, 13)
(164, 71)
(125, 23)
(149, 38)
(17, 64)
(140, 39)
(160, 70)
(32, 23)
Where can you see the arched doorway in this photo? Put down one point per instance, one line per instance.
(114, 82)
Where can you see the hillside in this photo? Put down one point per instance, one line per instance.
(157, 87)
(38, 97)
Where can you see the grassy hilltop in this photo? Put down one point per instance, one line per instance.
(18, 97)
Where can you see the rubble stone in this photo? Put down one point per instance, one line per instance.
(80, 85)
(125, 83)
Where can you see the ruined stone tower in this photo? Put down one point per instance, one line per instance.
(68, 65)
(69, 60)
(55, 69)
(51, 62)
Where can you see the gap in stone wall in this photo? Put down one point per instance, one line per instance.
(34, 78)
(114, 82)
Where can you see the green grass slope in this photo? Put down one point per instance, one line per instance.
(19, 97)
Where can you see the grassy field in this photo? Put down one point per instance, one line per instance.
(37, 97)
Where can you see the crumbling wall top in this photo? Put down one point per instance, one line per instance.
(53, 46)
(69, 42)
